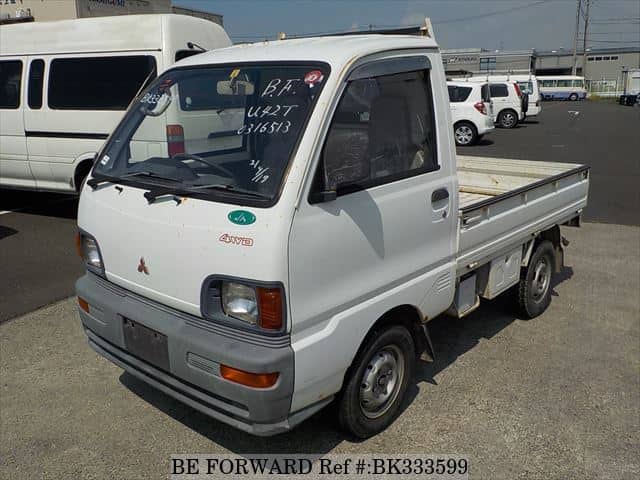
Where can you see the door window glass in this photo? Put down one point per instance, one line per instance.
(10, 78)
(383, 130)
(458, 94)
(499, 90)
(36, 80)
(98, 83)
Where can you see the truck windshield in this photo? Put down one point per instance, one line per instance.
(222, 132)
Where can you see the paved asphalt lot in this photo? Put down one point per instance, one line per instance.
(556, 397)
(38, 264)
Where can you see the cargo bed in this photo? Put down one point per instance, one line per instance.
(503, 202)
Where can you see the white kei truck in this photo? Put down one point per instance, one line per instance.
(271, 227)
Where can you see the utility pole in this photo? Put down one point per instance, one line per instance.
(575, 38)
(584, 40)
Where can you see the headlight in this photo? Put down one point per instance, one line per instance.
(239, 301)
(255, 305)
(89, 251)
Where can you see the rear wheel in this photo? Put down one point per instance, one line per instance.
(534, 289)
(377, 382)
(465, 133)
(508, 119)
(573, 97)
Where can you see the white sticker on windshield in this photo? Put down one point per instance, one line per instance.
(104, 160)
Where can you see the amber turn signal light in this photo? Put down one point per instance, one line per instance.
(255, 380)
(84, 305)
(270, 308)
(79, 245)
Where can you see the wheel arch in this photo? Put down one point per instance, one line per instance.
(553, 235)
(83, 165)
(407, 316)
(470, 124)
(510, 110)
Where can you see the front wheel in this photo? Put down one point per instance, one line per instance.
(508, 119)
(573, 97)
(465, 134)
(377, 382)
(534, 289)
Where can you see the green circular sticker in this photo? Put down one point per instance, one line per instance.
(241, 217)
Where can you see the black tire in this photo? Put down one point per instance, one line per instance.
(534, 289)
(508, 119)
(573, 97)
(357, 404)
(465, 134)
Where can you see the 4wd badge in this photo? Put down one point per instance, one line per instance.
(241, 217)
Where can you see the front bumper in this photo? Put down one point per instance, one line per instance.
(196, 348)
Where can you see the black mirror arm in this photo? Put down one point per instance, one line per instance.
(324, 196)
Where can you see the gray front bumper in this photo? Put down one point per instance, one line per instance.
(196, 350)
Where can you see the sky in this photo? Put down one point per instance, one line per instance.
(490, 24)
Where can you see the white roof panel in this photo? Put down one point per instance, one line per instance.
(337, 51)
(99, 34)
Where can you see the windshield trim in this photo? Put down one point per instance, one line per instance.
(219, 196)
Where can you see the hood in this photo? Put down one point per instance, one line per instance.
(165, 250)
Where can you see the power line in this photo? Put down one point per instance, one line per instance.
(490, 14)
(441, 22)
(629, 42)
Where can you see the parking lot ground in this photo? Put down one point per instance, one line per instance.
(38, 263)
(555, 397)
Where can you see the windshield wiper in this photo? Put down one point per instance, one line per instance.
(152, 194)
(94, 182)
(233, 189)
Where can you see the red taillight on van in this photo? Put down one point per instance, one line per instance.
(518, 91)
(175, 139)
(481, 107)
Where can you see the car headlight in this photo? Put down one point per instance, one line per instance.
(259, 306)
(239, 301)
(89, 252)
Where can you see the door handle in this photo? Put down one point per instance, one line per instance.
(439, 195)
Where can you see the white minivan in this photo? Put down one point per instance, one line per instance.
(471, 111)
(271, 227)
(64, 86)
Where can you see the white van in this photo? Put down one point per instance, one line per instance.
(271, 227)
(528, 84)
(65, 85)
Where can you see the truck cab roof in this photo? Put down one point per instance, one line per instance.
(337, 51)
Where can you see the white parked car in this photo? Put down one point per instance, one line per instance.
(528, 85)
(65, 85)
(471, 111)
(290, 247)
(507, 104)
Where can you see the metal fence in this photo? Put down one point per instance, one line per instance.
(605, 87)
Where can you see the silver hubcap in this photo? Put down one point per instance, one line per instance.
(464, 135)
(541, 280)
(381, 381)
(508, 119)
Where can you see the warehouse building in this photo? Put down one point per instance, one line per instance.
(604, 70)
(15, 11)
(478, 60)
